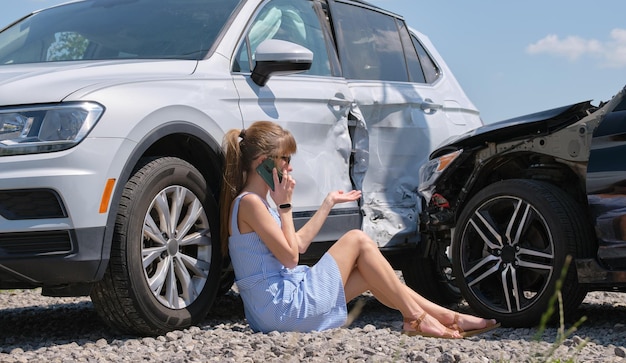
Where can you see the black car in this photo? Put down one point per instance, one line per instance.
(507, 203)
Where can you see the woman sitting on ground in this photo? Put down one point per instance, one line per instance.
(264, 247)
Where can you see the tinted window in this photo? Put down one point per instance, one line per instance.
(113, 29)
(293, 21)
(415, 69)
(369, 44)
(430, 68)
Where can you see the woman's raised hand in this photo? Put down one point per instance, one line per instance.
(283, 189)
(339, 196)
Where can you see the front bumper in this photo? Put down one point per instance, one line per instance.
(36, 259)
(52, 233)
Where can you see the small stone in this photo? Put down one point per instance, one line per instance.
(578, 340)
(101, 343)
(171, 336)
(446, 358)
(369, 328)
(17, 351)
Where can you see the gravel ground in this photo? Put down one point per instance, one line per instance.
(37, 328)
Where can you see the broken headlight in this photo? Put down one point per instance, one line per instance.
(430, 172)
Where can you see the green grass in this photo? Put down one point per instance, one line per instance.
(561, 334)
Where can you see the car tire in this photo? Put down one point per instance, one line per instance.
(431, 279)
(159, 279)
(496, 261)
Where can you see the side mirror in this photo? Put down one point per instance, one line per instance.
(275, 56)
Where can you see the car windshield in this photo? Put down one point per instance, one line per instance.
(116, 29)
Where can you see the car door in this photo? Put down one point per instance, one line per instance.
(409, 103)
(313, 105)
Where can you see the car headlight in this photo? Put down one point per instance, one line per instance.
(430, 172)
(46, 128)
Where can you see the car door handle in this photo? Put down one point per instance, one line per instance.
(429, 107)
(341, 102)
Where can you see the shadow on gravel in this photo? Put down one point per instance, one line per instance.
(33, 327)
(610, 314)
(30, 328)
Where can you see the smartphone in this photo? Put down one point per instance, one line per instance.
(265, 171)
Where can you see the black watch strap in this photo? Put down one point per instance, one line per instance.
(285, 206)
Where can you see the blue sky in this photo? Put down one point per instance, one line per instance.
(512, 58)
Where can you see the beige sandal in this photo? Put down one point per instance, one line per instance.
(415, 324)
(470, 333)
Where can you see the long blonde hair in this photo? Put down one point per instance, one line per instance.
(240, 148)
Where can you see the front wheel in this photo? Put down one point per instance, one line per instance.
(509, 246)
(165, 263)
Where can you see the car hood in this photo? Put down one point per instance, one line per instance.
(55, 81)
(532, 125)
(535, 124)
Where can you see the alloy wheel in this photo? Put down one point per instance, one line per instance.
(507, 254)
(176, 251)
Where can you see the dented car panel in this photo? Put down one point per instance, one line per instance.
(572, 157)
(403, 123)
(401, 135)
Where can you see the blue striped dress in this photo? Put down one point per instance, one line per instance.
(277, 298)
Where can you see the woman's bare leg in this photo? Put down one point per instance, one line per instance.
(355, 253)
(356, 285)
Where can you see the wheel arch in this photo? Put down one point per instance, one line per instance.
(179, 139)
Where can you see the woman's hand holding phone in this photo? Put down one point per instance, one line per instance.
(285, 184)
(265, 170)
(280, 182)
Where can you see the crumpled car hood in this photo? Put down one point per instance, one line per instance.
(53, 82)
(535, 124)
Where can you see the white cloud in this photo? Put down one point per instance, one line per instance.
(616, 57)
(610, 53)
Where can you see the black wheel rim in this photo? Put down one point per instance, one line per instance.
(176, 250)
(507, 254)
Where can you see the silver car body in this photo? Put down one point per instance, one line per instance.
(398, 131)
(371, 135)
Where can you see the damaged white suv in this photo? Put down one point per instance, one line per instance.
(111, 117)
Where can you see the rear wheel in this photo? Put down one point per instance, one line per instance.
(164, 270)
(510, 245)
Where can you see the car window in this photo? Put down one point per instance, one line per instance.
(429, 67)
(369, 44)
(416, 73)
(293, 21)
(144, 29)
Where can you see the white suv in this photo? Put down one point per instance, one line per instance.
(111, 118)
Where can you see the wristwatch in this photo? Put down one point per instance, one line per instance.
(285, 206)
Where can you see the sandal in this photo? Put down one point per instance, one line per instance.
(470, 333)
(415, 324)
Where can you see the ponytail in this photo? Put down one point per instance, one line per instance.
(232, 183)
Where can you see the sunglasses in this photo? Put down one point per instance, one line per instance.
(286, 158)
